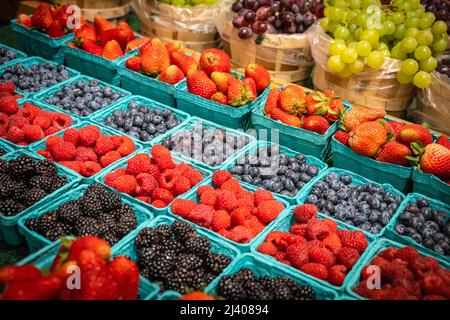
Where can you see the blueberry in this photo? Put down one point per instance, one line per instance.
(157, 119)
(385, 217)
(426, 213)
(267, 184)
(400, 229)
(257, 181)
(412, 207)
(422, 203)
(247, 178)
(438, 237)
(437, 248)
(439, 217)
(346, 179)
(374, 216)
(299, 184)
(312, 199)
(416, 237)
(300, 158)
(304, 177)
(288, 185)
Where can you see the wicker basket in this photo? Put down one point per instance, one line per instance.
(111, 10)
(371, 88)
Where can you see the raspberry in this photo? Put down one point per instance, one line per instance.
(246, 202)
(146, 184)
(9, 105)
(125, 183)
(88, 135)
(221, 220)
(277, 238)
(241, 234)
(85, 154)
(245, 194)
(297, 254)
(183, 207)
(203, 189)
(315, 244)
(424, 265)
(159, 204)
(434, 297)
(90, 168)
(15, 135)
(225, 233)
(262, 195)
(63, 151)
(165, 163)
(18, 121)
(162, 194)
(231, 185)
(336, 274)
(255, 225)
(111, 177)
(145, 199)
(181, 186)
(220, 176)
(126, 146)
(194, 176)
(202, 215)
(117, 140)
(52, 141)
(8, 87)
(154, 171)
(299, 229)
(356, 240)
(43, 121)
(433, 284)
(52, 130)
(305, 212)
(109, 158)
(60, 120)
(208, 197)
(159, 152)
(268, 248)
(388, 254)
(73, 165)
(322, 256)
(167, 179)
(316, 270)
(103, 145)
(348, 257)
(342, 137)
(317, 229)
(226, 200)
(407, 254)
(332, 225)
(333, 243)
(268, 211)
(240, 215)
(140, 163)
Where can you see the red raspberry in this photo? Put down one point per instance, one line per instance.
(183, 207)
(255, 225)
(181, 186)
(316, 270)
(109, 158)
(220, 176)
(336, 274)
(246, 202)
(88, 135)
(226, 200)
(317, 229)
(60, 120)
(434, 284)
(202, 215)
(9, 105)
(231, 185)
(45, 154)
(268, 211)
(342, 233)
(356, 240)
(103, 145)
(17, 121)
(433, 297)
(52, 141)
(165, 163)
(290, 238)
(322, 256)
(51, 130)
(194, 176)
(399, 293)
(8, 87)
(126, 147)
(43, 120)
(110, 178)
(85, 154)
(268, 248)
(63, 151)
(240, 215)
(348, 257)
(305, 212)
(342, 137)
(411, 285)
(221, 220)
(140, 163)
(203, 189)
(71, 135)
(424, 265)
(167, 179)
(146, 184)
(208, 196)
(245, 194)
(29, 111)
(159, 204)
(297, 254)
(225, 233)
(315, 244)
(117, 140)
(160, 152)
(73, 165)
(162, 194)
(15, 135)
(125, 183)
(333, 243)
(332, 225)
(407, 254)
(299, 229)
(241, 234)
(145, 199)
(388, 254)
(154, 171)
(89, 168)
(262, 195)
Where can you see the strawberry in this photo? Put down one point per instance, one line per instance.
(85, 32)
(348, 257)
(92, 47)
(174, 46)
(220, 98)
(155, 60)
(214, 60)
(56, 29)
(220, 177)
(435, 159)
(394, 152)
(126, 184)
(221, 80)
(238, 93)
(136, 43)
(305, 212)
(268, 211)
(249, 83)
(316, 270)
(133, 63)
(414, 133)
(221, 220)
(98, 246)
(316, 103)
(112, 50)
(126, 30)
(126, 273)
(113, 34)
(196, 295)
(357, 115)
(101, 24)
(42, 17)
(200, 84)
(367, 138)
(334, 110)
(41, 288)
(171, 75)
(61, 14)
(15, 273)
(316, 124)
(342, 137)
(187, 64)
(24, 20)
(9, 105)
(336, 274)
(259, 74)
(292, 100)
(286, 118)
(443, 141)
(297, 254)
(272, 101)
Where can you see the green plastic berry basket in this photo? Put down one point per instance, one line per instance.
(374, 250)
(265, 144)
(356, 180)
(170, 295)
(103, 130)
(36, 241)
(430, 185)
(36, 43)
(128, 247)
(5, 147)
(50, 92)
(227, 116)
(382, 172)
(284, 225)
(43, 260)
(141, 101)
(199, 159)
(123, 164)
(298, 139)
(9, 225)
(42, 106)
(262, 267)
(27, 62)
(242, 247)
(19, 54)
(393, 235)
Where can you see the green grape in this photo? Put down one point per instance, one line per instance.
(333, 25)
(414, 3)
(422, 53)
(382, 46)
(375, 59)
(351, 15)
(409, 66)
(422, 79)
(357, 34)
(412, 22)
(439, 27)
(355, 4)
(409, 44)
(397, 17)
(426, 21)
(425, 37)
(361, 20)
(386, 53)
(429, 64)
(400, 31)
(345, 72)
(327, 11)
(352, 45)
(324, 22)
(349, 55)
(335, 13)
(397, 53)
(420, 11)
(357, 66)
(388, 27)
(412, 32)
(178, 3)
(404, 78)
(364, 48)
(337, 47)
(341, 3)
(341, 33)
(352, 28)
(335, 64)
(371, 36)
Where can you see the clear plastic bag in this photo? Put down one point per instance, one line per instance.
(371, 88)
(433, 104)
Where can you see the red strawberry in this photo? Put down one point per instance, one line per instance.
(101, 24)
(187, 64)
(394, 152)
(238, 93)
(113, 34)
(286, 118)
(155, 60)
(125, 29)
(171, 75)
(136, 43)
(196, 295)
(336, 274)
(259, 74)
(214, 60)
(305, 212)
(443, 141)
(272, 101)
(413, 133)
(297, 254)
(41, 288)
(220, 98)
(42, 17)
(316, 124)
(199, 84)
(126, 273)
(249, 83)
(221, 80)
(292, 100)
(14, 273)
(316, 270)
(342, 137)
(112, 50)
(436, 160)
(98, 246)
(92, 47)
(24, 20)
(133, 63)
(56, 29)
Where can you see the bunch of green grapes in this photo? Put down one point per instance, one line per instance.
(366, 32)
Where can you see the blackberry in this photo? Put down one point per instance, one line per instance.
(56, 230)
(283, 292)
(95, 188)
(110, 237)
(22, 166)
(125, 225)
(90, 205)
(179, 281)
(257, 291)
(10, 208)
(57, 183)
(245, 275)
(196, 278)
(3, 166)
(230, 289)
(161, 267)
(33, 195)
(2, 152)
(146, 237)
(182, 230)
(110, 200)
(147, 255)
(208, 278)
(69, 212)
(86, 226)
(14, 189)
(163, 231)
(171, 246)
(198, 245)
(107, 221)
(42, 182)
(215, 262)
(32, 224)
(189, 261)
(123, 210)
(304, 293)
(46, 168)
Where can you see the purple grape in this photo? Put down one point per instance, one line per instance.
(271, 29)
(245, 32)
(278, 24)
(250, 16)
(290, 29)
(288, 18)
(276, 5)
(309, 19)
(271, 20)
(301, 28)
(237, 6)
(259, 27)
(249, 3)
(243, 12)
(298, 19)
(263, 13)
(265, 2)
(295, 8)
(239, 22)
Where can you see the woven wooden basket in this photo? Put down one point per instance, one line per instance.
(371, 88)
(112, 10)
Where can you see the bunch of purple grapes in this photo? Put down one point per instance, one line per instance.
(440, 8)
(444, 67)
(275, 16)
